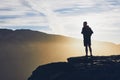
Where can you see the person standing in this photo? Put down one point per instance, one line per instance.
(87, 33)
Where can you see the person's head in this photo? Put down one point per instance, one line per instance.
(85, 23)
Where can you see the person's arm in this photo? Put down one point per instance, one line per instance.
(91, 31)
(82, 31)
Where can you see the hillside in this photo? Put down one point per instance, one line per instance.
(24, 35)
(21, 51)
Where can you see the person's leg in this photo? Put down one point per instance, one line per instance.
(90, 49)
(86, 50)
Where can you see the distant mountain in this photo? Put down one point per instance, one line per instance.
(21, 51)
(24, 35)
(80, 68)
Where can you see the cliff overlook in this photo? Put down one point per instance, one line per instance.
(80, 68)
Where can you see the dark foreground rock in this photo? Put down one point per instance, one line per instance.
(80, 68)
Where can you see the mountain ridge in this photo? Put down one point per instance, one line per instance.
(29, 35)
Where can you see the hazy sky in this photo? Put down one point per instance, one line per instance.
(63, 17)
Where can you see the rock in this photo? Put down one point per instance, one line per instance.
(51, 71)
(80, 68)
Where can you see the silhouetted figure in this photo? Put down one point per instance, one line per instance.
(87, 32)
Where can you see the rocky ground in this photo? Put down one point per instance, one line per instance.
(80, 68)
